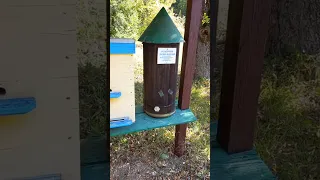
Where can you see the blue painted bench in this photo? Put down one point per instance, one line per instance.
(145, 122)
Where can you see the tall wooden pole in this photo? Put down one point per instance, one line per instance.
(192, 28)
(247, 32)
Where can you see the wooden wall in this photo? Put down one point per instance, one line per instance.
(38, 59)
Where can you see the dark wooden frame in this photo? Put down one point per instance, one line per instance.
(247, 32)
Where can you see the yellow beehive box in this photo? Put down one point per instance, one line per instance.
(39, 106)
(122, 78)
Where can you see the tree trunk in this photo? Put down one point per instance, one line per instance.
(203, 50)
(203, 54)
(294, 26)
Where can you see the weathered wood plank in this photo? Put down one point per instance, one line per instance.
(28, 56)
(244, 53)
(38, 59)
(192, 28)
(50, 158)
(23, 3)
(57, 108)
(55, 120)
(30, 19)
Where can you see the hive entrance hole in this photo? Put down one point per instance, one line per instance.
(2, 91)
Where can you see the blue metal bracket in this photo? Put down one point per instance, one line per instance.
(115, 94)
(120, 122)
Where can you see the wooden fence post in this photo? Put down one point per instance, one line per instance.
(192, 28)
(247, 32)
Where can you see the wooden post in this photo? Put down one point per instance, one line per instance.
(247, 32)
(214, 7)
(193, 23)
(107, 44)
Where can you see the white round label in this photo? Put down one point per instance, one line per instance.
(156, 109)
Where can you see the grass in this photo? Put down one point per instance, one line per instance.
(288, 134)
(91, 35)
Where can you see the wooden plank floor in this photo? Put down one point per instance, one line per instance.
(240, 166)
(94, 164)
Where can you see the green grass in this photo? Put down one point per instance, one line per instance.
(288, 134)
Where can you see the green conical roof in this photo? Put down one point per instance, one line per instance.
(161, 30)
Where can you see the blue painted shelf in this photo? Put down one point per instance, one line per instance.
(144, 122)
(17, 106)
(120, 122)
(115, 94)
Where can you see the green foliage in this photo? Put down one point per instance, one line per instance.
(124, 18)
(205, 19)
(180, 7)
(129, 18)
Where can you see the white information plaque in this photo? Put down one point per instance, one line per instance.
(167, 55)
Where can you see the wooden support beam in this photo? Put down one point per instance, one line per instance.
(214, 8)
(180, 138)
(107, 47)
(192, 28)
(247, 32)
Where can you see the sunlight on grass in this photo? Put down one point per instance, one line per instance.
(168, 134)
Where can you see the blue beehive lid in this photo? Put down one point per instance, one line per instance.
(122, 46)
